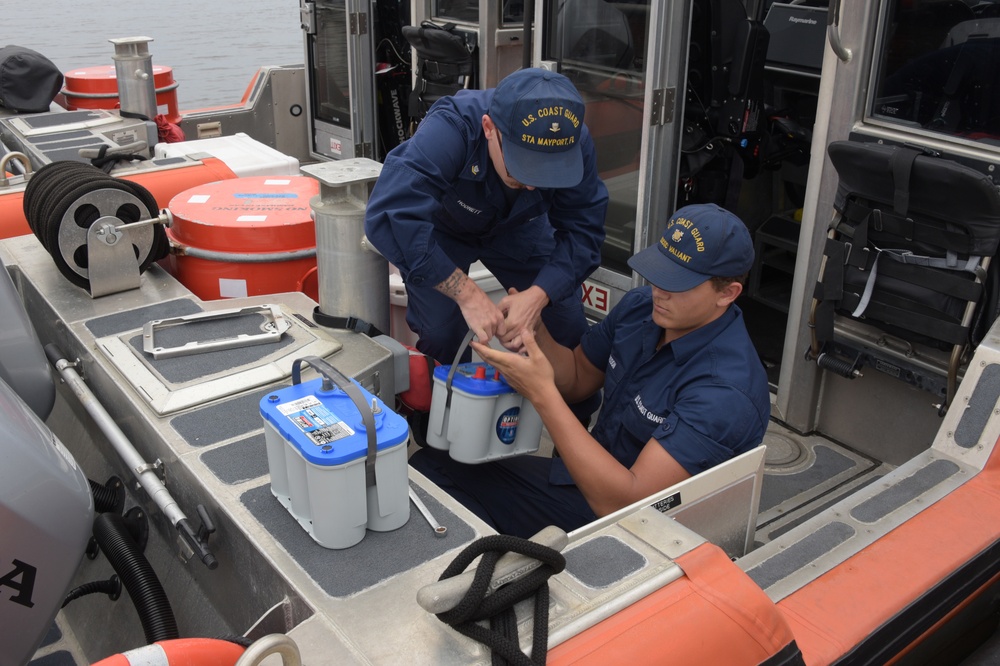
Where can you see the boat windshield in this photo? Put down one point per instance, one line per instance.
(938, 67)
(601, 46)
(468, 11)
(331, 96)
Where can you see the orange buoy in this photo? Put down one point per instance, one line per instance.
(97, 88)
(244, 236)
(179, 652)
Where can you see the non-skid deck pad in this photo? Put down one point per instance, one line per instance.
(221, 421)
(907, 490)
(131, 320)
(238, 462)
(828, 464)
(801, 553)
(602, 562)
(183, 369)
(378, 557)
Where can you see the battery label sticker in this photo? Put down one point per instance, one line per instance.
(507, 425)
(315, 421)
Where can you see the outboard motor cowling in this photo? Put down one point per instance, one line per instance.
(46, 514)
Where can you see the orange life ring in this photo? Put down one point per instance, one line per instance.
(180, 652)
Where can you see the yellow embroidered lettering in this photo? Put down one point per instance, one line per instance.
(680, 255)
(699, 242)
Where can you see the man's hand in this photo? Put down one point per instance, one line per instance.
(522, 311)
(530, 372)
(481, 314)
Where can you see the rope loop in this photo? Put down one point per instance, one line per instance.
(494, 600)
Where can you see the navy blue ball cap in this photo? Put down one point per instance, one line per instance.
(701, 241)
(540, 117)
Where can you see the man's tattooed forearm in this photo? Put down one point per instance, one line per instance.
(452, 285)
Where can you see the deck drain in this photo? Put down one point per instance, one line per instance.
(782, 452)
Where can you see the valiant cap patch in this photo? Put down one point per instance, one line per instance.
(540, 117)
(701, 241)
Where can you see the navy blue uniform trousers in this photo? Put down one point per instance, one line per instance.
(513, 495)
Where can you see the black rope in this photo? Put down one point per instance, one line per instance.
(479, 604)
(106, 163)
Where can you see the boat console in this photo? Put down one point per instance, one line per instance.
(60, 135)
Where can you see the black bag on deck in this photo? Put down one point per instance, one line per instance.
(909, 244)
(28, 80)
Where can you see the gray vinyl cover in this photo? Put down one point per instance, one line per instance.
(28, 80)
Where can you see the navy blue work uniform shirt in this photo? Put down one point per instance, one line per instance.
(439, 204)
(704, 397)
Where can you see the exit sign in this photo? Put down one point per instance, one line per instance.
(596, 297)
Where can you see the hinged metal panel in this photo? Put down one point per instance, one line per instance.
(359, 23)
(662, 110)
(307, 17)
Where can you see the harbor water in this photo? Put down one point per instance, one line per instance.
(214, 48)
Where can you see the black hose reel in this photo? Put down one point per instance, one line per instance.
(88, 220)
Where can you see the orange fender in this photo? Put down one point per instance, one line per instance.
(163, 185)
(713, 615)
(179, 652)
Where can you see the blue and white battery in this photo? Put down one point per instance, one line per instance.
(317, 445)
(480, 417)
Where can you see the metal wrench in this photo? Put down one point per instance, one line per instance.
(439, 529)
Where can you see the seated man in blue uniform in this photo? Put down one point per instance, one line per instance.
(507, 176)
(683, 386)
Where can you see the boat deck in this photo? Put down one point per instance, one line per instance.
(803, 476)
(203, 423)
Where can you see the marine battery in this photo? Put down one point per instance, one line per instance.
(477, 416)
(333, 478)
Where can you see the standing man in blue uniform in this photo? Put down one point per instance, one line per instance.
(506, 176)
(683, 386)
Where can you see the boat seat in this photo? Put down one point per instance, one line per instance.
(907, 256)
(720, 504)
(444, 65)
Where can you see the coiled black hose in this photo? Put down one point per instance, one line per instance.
(111, 587)
(842, 367)
(137, 576)
(57, 212)
(107, 497)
